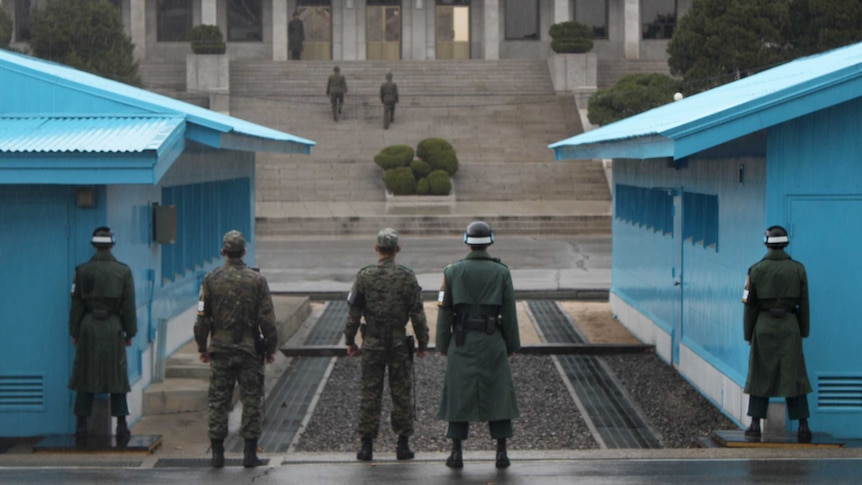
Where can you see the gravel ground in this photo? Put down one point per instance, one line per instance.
(549, 418)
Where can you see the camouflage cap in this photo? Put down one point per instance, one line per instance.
(233, 241)
(387, 238)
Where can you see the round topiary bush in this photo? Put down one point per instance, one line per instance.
(439, 182)
(439, 154)
(422, 187)
(571, 37)
(207, 39)
(400, 181)
(394, 156)
(420, 168)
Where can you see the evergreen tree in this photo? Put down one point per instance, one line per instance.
(86, 35)
(821, 25)
(632, 94)
(5, 28)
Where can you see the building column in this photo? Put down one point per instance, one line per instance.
(138, 27)
(279, 30)
(632, 29)
(492, 29)
(209, 15)
(561, 11)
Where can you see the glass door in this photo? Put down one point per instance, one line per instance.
(453, 29)
(383, 30)
(316, 16)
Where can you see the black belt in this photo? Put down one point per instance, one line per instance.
(777, 312)
(487, 324)
(100, 314)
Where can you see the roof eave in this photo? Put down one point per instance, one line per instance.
(654, 146)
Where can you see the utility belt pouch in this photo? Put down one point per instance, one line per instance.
(459, 331)
(101, 314)
(777, 312)
(259, 344)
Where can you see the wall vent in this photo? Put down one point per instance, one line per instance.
(22, 392)
(839, 392)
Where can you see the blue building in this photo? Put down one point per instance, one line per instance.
(697, 181)
(76, 152)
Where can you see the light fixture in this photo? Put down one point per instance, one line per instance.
(86, 197)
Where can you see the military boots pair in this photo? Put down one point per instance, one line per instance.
(249, 454)
(456, 458)
(402, 450)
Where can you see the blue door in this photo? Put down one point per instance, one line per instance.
(35, 346)
(824, 235)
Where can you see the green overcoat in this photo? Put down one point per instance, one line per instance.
(103, 286)
(478, 384)
(776, 364)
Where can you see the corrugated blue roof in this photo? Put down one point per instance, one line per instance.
(702, 121)
(240, 134)
(86, 134)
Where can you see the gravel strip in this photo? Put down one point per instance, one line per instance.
(549, 418)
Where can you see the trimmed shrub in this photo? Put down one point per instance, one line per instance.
(400, 181)
(422, 187)
(394, 156)
(571, 37)
(439, 182)
(420, 168)
(439, 154)
(207, 39)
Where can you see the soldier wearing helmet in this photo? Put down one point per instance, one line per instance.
(477, 328)
(775, 322)
(386, 295)
(102, 323)
(336, 88)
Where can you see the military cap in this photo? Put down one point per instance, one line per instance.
(387, 238)
(233, 242)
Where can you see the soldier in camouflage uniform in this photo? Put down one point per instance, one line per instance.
(102, 323)
(235, 313)
(386, 295)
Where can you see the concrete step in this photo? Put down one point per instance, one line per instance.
(176, 395)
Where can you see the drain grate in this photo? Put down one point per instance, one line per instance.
(288, 401)
(198, 462)
(614, 417)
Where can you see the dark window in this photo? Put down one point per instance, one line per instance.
(700, 219)
(522, 19)
(173, 20)
(650, 209)
(244, 21)
(659, 18)
(595, 14)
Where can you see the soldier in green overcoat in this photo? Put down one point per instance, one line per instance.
(102, 323)
(477, 329)
(386, 295)
(776, 321)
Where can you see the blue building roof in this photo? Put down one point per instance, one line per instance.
(713, 117)
(47, 108)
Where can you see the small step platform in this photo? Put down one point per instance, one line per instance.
(98, 444)
(737, 439)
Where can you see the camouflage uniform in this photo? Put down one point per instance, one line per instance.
(386, 294)
(235, 309)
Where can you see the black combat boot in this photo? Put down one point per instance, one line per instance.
(753, 430)
(218, 453)
(803, 434)
(455, 460)
(249, 454)
(81, 432)
(502, 455)
(366, 451)
(123, 434)
(403, 451)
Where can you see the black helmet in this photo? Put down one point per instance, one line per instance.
(103, 237)
(479, 233)
(776, 237)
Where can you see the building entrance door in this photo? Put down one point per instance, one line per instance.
(316, 16)
(383, 30)
(453, 29)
